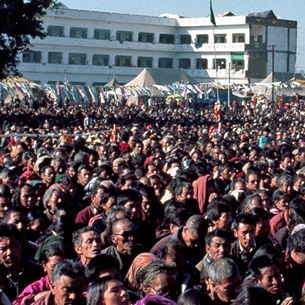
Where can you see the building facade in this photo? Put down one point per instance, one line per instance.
(90, 47)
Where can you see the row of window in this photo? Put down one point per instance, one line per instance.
(102, 34)
(125, 61)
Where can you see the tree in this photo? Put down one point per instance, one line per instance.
(20, 20)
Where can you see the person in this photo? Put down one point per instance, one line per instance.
(225, 281)
(107, 291)
(219, 215)
(53, 250)
(87, 244)
(217, 245)
(243, 249)
(48, 175)
(187, 276)
(102, 265)
(253, 295)
(137, 265)
(157, 278)
(124, 246)
(294, 263)
(266, 273)
(15, 272)
(265, 141)
(194, 297)
(95, 207)
(252, 182)
(67, 285)
(190, 238)
(108, 201)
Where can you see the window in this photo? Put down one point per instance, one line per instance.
(165, 63)
(146, 37)
(123, 36)
(238, 64)
(260, 38)
(123, 61)
(185, 39)
(238, 38)
(201, 63)
(77, 59)
(220, 63)
(55, 31)
(200, 40)
(101, 34)
(100, 60)
(167, 38)
(222, 38)
(145, 62)
(78, 33)
(184, 63)
(31, 57)
(55, 58)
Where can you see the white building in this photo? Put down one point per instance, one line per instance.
(90, 47)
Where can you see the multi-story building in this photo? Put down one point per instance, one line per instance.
(90, 47)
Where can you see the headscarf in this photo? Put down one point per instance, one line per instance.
(25, 176)
(155, 299)
(138, 263)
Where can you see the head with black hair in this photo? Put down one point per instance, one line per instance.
(11, 243)
(218, 243)
(219, 215)
(244, 226)
(194, 297)
(107, 291)
(262, 225)
(253, 295)
(131, 199)
(296, 245)
(266, 272)
(102, 265)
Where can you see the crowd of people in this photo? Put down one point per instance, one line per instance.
(118, 205)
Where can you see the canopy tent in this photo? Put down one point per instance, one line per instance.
(285, 84)
(150, 77)
(113, 82)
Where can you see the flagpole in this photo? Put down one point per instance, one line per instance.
(212, 18)
(215, 65)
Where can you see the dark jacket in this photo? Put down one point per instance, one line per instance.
(14, 285)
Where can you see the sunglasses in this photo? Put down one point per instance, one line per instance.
(127, 234)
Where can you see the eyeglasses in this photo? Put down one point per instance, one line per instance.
(127, 234)
(165, 292)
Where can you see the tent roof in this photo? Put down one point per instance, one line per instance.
(113, 82)
(268, 15)
(282, 77)
(149, 77)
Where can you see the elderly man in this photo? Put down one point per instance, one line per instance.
(190, 238)
(225, 281)
(87, 244)
(124, 243)
(67, 285)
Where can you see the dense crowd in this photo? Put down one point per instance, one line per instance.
(166, 204)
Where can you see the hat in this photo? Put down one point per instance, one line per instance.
(45, 244)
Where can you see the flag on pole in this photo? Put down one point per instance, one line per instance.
(212, 17)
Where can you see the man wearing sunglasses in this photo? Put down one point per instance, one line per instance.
(124, 244)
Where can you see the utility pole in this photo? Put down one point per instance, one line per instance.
(229, 85)
(272, 96)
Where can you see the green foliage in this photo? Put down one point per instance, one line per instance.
(20, 21)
